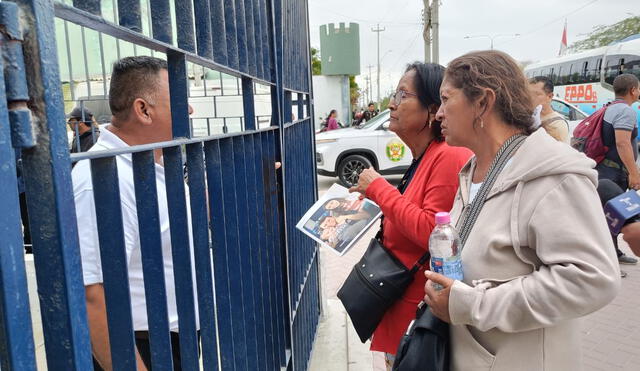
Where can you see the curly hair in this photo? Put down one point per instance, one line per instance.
(495, 70)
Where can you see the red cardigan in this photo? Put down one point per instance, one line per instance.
(408, 221)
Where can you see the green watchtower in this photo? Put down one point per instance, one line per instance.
(340, 49)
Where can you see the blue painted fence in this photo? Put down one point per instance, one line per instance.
(257, 277)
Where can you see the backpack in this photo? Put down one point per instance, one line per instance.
(587, 136)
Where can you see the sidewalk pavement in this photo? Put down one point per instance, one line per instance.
(611, 336)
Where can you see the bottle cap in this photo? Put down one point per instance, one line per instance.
(443, 217)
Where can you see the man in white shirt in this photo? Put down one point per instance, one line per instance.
(140, 105)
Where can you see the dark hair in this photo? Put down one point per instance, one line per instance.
(497, 71)
(623, 84)
(370, 104)
(426, 82)
(133, 78)
(547, 84)
(331, 113)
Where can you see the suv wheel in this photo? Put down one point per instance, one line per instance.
(350, 168)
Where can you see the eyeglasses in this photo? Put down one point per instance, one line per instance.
(399, 95)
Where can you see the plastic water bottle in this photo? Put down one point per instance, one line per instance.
(443, 246)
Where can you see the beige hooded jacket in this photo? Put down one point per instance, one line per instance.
(539, 257)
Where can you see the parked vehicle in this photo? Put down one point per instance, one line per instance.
(345, 153)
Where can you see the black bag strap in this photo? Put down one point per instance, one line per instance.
(470, 215)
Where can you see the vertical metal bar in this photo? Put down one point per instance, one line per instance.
(267, 34)
(184, 25)
(230, 31)
(161, 20)
(104, 176)
(246, 251)
(235, 266)
(68, 47)
(50, 202)
(179, 92)
(241, 35)
(181, 252)
(129, 14)
(102, 66)
(248, 104)
(288, 106)
(144, 176)
(300, 107)
(203, 28)
(218, 32)
(16, 335)
(265, 234)
(255, 231)
(202, 254)
(258, 30)
(224, 308)
(250, 31)
(86, 62)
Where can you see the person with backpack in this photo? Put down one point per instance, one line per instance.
(619, 135)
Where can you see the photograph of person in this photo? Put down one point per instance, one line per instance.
(337, 222)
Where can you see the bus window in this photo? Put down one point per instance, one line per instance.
(633, 65)
(598, 69)
(558, 80)
(584, 75)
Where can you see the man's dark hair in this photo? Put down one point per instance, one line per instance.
(623, 84)
(547, 84)
(426, 83)
(370, 104)
(133, 78)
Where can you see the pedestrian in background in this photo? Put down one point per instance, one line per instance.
(85, 129)
(619, 134)
(539, 255)
(370, 113)
(427, 187)
(332, 122)
(541, 90)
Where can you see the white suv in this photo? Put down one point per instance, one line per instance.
(346, 152)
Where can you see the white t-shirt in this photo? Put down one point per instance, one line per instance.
(88, 231)
(473, 190)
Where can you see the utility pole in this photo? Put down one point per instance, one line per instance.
(378, 30)
(435, 26)
(370, 87)
(426, 33)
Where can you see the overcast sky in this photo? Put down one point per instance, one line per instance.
(540, 24)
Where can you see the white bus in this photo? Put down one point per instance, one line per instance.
(584, 79)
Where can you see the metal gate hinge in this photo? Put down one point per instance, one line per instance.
(15, 79)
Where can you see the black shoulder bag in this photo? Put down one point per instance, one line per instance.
(425, 346)
(378, 279)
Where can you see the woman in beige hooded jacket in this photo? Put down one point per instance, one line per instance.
(539, 256)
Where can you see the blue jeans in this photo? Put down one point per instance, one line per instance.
(617, 176)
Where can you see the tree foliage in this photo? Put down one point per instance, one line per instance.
(354, 90)
(604, 35)
(316, 64)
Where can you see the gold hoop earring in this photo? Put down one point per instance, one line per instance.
(430, 123)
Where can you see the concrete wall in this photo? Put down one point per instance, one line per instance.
(331, 92)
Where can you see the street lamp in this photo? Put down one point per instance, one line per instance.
(492, 37)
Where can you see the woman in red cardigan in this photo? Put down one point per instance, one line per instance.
(409, 210)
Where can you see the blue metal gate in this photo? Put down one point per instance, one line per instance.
(257, 276)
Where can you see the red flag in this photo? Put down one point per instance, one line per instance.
(563, 42)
